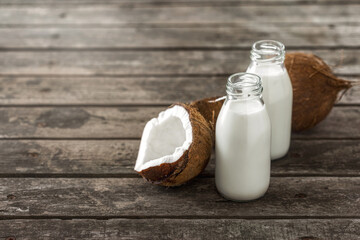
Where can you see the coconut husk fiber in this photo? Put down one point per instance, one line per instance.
(315, 89)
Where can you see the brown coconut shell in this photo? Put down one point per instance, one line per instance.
(192, 162)
(315, 89)
(209, 108)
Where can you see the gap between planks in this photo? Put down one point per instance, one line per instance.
(142, 105)
(145, 25)
(198, 217)
(138, 138)
(169, 49)
(193, 3)
(185, 75)
(122, 175)
(111, 75)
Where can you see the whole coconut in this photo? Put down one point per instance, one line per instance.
(315, 89)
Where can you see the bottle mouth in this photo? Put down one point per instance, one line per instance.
(244, 84)
(267, 51)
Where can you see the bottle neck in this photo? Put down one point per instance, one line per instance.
(267, 52)
(244, 86)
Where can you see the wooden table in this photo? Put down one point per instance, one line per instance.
(80, 78)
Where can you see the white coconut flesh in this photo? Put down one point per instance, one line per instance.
(165, 138)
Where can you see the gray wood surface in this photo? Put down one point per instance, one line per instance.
(182, 229)
(108, 14)
(114, 158)
(120, 90)
(287, 197)
(128, 122)
(177, 2)
(310, 35)
(152, 63)
(80, 78)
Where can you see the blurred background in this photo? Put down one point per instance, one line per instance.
(159, 52)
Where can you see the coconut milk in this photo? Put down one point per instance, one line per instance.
(277, 93)
(243, 149)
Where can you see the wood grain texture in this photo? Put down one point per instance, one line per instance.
(185, 229)
(115, 53)
(149, 64)
(110, 14)
(119, 90)
(244, 35)
(111, 158)
(171, 2)
(128, 122)
(300, 197)
(72, 122)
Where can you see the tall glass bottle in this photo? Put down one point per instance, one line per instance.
(267, 61)
(242, 144)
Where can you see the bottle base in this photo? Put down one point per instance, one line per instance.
(241, 201)
(281, 157)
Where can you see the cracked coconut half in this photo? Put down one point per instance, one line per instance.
(175, 147)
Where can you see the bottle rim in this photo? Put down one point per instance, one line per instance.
(267, 51)
(244, 84)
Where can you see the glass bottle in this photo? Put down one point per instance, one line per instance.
(242, 144)
(267, 61)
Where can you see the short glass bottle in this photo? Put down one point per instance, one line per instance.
(267, 61)
(242, 145)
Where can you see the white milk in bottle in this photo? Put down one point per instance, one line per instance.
(242, 145)
(268, 62)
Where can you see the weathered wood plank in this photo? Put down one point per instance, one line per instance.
(351, 95)
(182, 229)
(151, 63)
(311, 35)
(74, 122)
(118, 90)
(128, 122)
(113, 90)
(335, 124)
(110, 14)
(171, 2)
(315, 197)
(112, 157)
